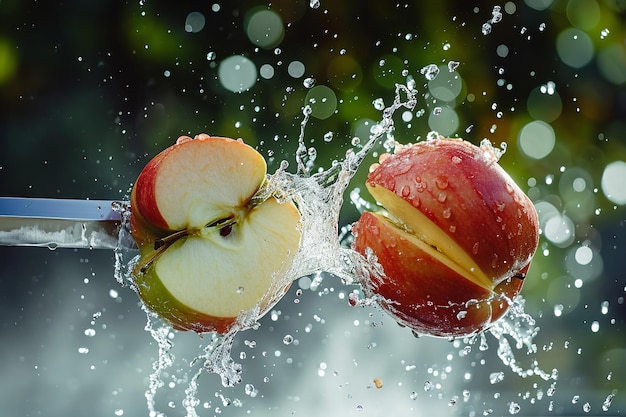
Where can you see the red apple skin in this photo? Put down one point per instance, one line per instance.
(465, 193)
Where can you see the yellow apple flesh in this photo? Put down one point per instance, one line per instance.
(209, 251)
(455, 240)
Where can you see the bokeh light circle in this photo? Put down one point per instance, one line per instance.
(194, 22)
(612, 63)
(446, 86)
(612, 182)
(539, 4)
(266, 71)
(583, 14)
(559, 229)
(444, 121)
(583, 255)
(322, 100)
(296, 69)
(574, 47)
(537, 139)
(584, 263)
(502, 51)
(344, 73)
(237, 73)
(265, 28)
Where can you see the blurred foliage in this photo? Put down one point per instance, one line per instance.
(91, 90)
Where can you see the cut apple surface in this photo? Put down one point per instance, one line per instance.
(210, 250)
(455, 240)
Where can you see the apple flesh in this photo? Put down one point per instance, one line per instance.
(455, 240)
(211, 250)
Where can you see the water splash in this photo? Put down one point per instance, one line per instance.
(521, 327)
(319, 195)
(164, 361)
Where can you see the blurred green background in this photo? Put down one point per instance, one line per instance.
(91, 90)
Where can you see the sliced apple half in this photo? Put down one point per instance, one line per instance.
(455, 240)
(210, 250)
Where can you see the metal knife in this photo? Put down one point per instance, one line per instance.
(63, 223)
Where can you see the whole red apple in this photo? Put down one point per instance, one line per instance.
(455, 240)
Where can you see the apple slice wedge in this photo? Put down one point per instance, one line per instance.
(455, 240)
(210, 250)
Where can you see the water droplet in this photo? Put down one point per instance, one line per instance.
(461, 314)
(288, 339)
(428, 386)
(328, 136)
(430, 71)
(308, 82)
(314, 4)
(379, 104)
(456, 159)
(607, 402)
(496, 15)
(353, 299)
(453, 65)
(441, 182)
(496, 377)
(250, 390)
(446, 213)
(413, 395)
(587, 407)
(475, 248)
(210, 56)
(514, 407)
(486, 28)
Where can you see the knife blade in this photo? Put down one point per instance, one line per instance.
(63, 223)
